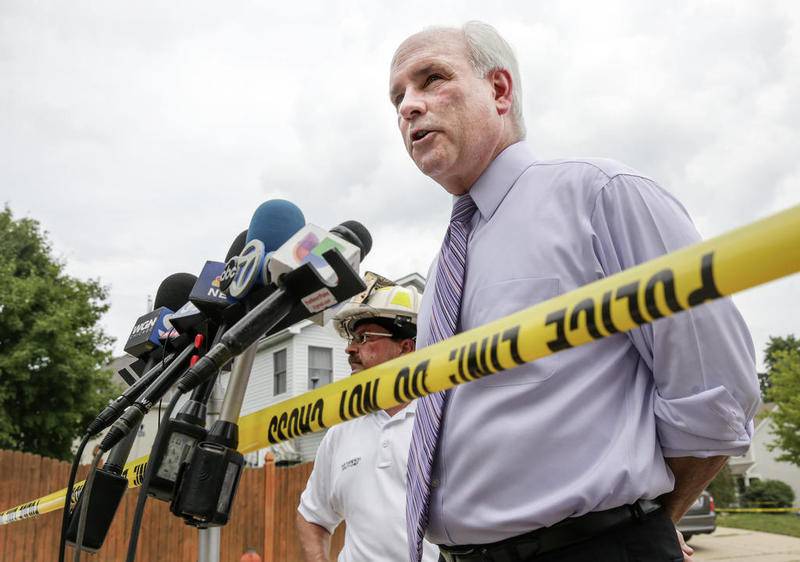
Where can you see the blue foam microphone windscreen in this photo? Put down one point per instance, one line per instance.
(274, 222)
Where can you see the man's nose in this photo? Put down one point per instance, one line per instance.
(351, 349)
(412, 105)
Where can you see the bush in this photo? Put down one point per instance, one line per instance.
(768, 493)
(723, 488)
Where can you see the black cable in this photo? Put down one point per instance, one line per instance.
(62, 542)
(85, 495)
(163, 366)
(148, 476)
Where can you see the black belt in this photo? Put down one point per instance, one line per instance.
(562, 534)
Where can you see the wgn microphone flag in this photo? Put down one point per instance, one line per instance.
(153, 328)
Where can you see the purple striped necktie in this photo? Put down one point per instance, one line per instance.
(444, 318)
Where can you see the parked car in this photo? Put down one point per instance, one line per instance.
(700, 519)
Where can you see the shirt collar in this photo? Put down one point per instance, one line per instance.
(495, 182)
(409, 410)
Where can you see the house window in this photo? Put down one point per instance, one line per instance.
(279, 364)
(320, 366)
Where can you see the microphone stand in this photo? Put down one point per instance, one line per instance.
(208, 540)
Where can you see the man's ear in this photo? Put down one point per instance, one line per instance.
(503, 88)
(407, 345)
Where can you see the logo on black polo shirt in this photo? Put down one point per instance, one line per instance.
(351, 463)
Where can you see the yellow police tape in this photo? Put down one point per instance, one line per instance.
(757, 509)
(763, 251)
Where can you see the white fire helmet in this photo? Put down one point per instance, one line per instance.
(392, 306)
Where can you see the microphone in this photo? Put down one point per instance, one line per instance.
(152, 328)
(302, 293)
(148, 332)
(273, 223)
(317, 306)
(208, 294)
(171, 290)
(237, 245)
(355, 233)
(308, 245)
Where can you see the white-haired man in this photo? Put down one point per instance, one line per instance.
(359, 472)
(592, 453)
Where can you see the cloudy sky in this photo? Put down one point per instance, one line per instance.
(142, 135)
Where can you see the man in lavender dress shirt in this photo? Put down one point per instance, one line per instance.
(569, 457)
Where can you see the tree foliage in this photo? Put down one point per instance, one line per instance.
(785, 393)
(775, 345)
(723, 488)
(52, 350)
(768, 493)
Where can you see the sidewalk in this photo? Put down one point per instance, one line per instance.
(739, 545)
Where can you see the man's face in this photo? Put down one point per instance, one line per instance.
(377, 349)
(447, 114)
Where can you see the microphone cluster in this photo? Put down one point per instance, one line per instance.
(276, 273)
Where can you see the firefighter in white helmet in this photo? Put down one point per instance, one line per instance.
(359, 472)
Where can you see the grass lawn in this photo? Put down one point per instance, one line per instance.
(780, 523)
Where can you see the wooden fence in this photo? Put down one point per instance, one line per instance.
(263, 517)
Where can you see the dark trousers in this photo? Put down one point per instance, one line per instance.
(649, 539)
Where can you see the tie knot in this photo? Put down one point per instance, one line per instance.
(463, 209)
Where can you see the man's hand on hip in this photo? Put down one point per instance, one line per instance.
(687, 550)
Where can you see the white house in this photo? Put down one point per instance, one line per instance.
(289, 363)
(759, 463)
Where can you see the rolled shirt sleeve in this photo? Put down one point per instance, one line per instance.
(702, 360)
(316, 502)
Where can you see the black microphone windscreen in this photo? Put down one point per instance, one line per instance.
(356, 233)
(237, 246)
(174, 291)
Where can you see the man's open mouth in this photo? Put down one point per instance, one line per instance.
(419, 135)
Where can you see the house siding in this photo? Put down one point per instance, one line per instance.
(296, 342)
(766, 467)
(260, 388)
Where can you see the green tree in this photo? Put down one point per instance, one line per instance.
(723, 488)
(785, 393)
(52, 350)
(775, 345)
